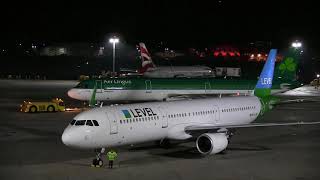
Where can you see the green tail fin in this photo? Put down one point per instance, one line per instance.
(92, 102)
(286, 71)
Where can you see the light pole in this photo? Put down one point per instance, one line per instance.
(113, 40)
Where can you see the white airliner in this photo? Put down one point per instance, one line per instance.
(149, 69)
(212, 118)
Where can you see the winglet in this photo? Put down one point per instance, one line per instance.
(263, 87)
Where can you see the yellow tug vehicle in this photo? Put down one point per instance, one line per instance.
(55, 105)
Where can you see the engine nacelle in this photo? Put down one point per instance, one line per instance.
(212, 143)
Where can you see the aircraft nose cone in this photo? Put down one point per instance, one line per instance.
(66, 138)
(72, 93)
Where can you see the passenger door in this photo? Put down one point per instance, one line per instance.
(113, 122)
(207, 87)
(216, 114)
(148, 86)
(99, 86)
(163, 117)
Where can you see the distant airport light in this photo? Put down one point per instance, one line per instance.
(318, 75)
(259, 55)
(113, 40)
(296, 44)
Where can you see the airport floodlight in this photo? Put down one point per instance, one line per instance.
(113, 40)
(318, 75)
(296, 44)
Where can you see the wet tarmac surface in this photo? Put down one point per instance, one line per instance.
(31, 146)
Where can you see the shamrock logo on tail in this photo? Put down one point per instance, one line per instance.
(288, 65)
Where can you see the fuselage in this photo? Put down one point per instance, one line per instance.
(178, 71)
(155, 89)
(142, 122)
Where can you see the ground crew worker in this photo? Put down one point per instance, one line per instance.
(111, 155)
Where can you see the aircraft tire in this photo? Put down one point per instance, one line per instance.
(97, 162)
(100, 162)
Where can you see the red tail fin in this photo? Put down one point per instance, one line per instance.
(147, 63)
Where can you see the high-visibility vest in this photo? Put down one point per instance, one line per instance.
(112, 155)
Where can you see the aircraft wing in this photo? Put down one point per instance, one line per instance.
(196, 96)
(217, 127)
(291, 101)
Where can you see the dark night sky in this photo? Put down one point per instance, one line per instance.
(182, 23)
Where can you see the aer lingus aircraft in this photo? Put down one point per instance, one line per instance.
(141, 89)
(208, 120)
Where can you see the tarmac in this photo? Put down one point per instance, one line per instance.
(31, 146)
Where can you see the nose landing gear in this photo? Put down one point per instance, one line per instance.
(97, 162)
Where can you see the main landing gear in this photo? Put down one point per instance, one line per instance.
(97, 162)
(229, 133)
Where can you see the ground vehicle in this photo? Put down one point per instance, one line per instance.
(43, 106)
(315, 82)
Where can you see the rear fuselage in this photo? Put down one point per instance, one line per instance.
(179, 71)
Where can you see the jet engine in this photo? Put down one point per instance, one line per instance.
(212, 143)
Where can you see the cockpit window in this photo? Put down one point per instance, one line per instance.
(89, 123)
(95, 122)
(72, 122)
(80, 122)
